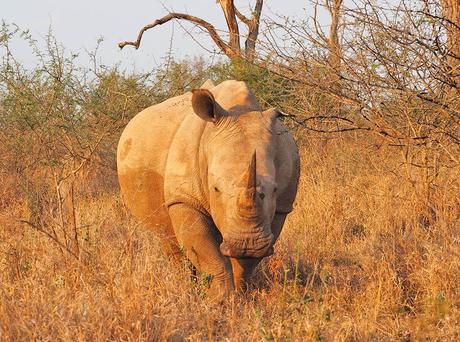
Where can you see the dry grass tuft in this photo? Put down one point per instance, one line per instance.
(366, 255)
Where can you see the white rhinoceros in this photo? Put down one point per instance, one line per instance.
(213, 175)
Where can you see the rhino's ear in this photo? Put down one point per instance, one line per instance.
(204, 105)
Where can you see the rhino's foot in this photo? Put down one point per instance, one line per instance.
(218, 293)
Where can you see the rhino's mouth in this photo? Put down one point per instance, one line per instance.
(258, 247)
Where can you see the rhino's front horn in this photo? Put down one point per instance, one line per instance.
(247, 201)
(252, 173)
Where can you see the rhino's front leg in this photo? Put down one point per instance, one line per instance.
(195, 233)
(242, 271)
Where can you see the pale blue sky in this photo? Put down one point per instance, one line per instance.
(78, 25)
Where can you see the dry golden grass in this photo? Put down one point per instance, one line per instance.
(361, 258)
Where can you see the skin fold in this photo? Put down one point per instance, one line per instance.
(214, 176)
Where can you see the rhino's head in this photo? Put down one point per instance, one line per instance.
(240, 157)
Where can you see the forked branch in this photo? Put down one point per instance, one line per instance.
(232, 48)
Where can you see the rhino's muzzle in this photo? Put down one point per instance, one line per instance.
(248, 248)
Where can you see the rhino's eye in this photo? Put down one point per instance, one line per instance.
(275, 189)
(262, 195)
(216, 189)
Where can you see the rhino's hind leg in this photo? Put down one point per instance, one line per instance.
(195, 234)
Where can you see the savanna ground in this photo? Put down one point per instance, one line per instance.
(371, 251)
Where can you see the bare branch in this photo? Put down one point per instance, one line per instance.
(318, 30)
(242, 17)
(224, 47)
(61, 246)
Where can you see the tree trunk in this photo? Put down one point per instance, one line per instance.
(229, 12)
(253, 32)
(335, 50)
(451, 13)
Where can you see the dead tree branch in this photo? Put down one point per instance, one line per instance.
(232, 48)
(224, 47)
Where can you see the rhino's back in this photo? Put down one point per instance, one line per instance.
(141, 158)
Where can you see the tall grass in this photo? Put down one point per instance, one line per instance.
(371, 251)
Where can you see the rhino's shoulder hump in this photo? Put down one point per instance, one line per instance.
(233, 85)
(208, 84)
(230, 94)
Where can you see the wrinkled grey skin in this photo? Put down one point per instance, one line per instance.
(212, 174)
